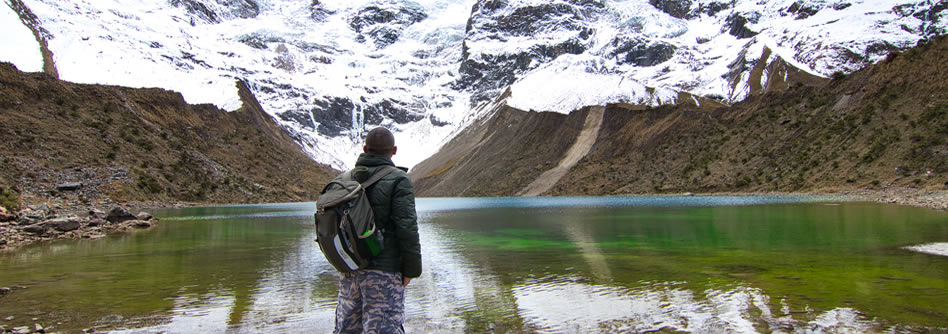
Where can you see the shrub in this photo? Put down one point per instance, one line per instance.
(149, 183)
(9, 199)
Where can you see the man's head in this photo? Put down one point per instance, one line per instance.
(380, 141)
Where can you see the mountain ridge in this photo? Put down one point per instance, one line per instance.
(883, 126)
(143, 145)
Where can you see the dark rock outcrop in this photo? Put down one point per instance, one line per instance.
(319, 13)
(119, 214)
(197, 8)
(712, 8)
(675, 8)
(642, 53)
(334, 115)
(235, 9)
(803, 9)
(737, 25)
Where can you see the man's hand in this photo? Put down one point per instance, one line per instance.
(406, 280)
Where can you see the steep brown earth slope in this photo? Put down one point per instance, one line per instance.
(124, 144)
(886, 125)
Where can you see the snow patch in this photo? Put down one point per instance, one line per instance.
(17, 43)
(566, 86)
(935, 248)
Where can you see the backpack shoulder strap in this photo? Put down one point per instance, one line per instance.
(377, 176)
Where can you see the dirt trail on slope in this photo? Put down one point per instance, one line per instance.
(584, 143)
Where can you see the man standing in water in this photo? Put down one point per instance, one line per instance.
(372, 300)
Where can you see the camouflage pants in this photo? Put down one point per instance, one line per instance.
(370, 301)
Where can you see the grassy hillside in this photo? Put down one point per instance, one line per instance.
(886, 125)
(125, 144)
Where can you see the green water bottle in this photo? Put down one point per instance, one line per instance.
(372, 241)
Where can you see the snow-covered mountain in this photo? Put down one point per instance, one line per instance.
(329, 69)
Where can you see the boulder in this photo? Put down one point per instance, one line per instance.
(63, 224)
(35, 229)
(119, 214)
(21, 330)
(69, 186)
(96, 213)
(5, 291)
(92, 222)
(36, 213)
(23, 221)
(144, 216)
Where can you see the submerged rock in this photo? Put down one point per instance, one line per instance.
(144, 216)
(141, 223)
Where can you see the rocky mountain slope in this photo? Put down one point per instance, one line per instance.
(326, 70)
(885, 125)
(77, 146)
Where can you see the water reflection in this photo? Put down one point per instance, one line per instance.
(513, 265)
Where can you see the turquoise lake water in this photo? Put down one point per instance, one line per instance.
(558, 265)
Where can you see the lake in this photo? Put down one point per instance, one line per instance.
(548, 265)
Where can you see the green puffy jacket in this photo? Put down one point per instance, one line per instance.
(393, 203)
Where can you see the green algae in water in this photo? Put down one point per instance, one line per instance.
(505, 265)
(804, 256)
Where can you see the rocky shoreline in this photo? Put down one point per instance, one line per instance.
(40, 223)
(937, 200)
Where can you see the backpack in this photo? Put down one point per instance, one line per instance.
(345, 224)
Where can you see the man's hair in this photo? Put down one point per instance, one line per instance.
(380, 141)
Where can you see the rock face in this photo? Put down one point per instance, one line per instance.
(549, 30)
(737, 25)
(335, 114)
(119, 214)
(214, 11)
(383, 21)
(317, 12)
